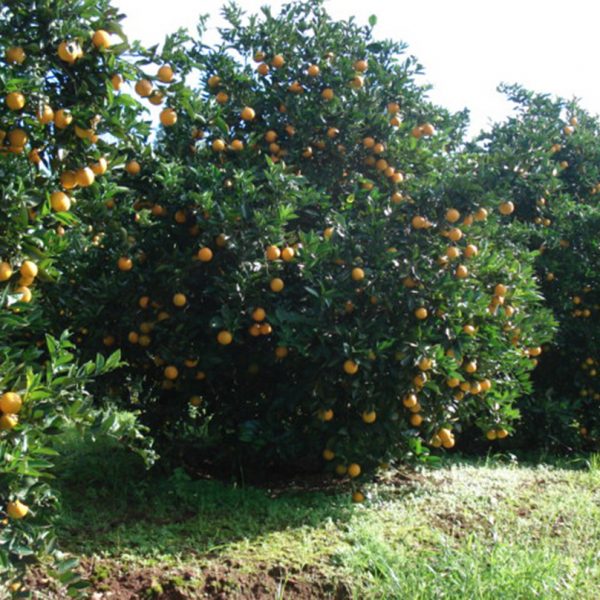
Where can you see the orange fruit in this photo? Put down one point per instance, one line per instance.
(179, 300)
(326, 415)
(287, 254)
(133, 337)
(248, 113)
(29, 269)
(168, 117)
(15, 55)
(69, 52)
(84, 177)
(358, 274)
(45, 114)
(461, 272)
(341, 470)
(15, 101)
(469, 329)
(428, 129)
(361, 66)
(313, 70)
(205, 254)
(259, 314)
(60, 202)
(276, 284)
(278, 61)
(100, 166)
(25, 293)
(358, 497)
(125, 263)
(5, 271)
(470, 366)
(116, 81)
(10, 402)
(501, 434)
(328, 454)
(354, 470)
(8, 422)
(237, 145)
(471, 250)
(421, 313)
(218, 145)
(224, 337)
(263, 69)
(165, 74)
(281, 352)
(101, 39)
(327, 94)
(455, 234)
(143, 88)
(272, 253)
(350, 367)
(196, 400)
(62, 118)
(17, 138)
(491, 435)
(369, 417)
(452, 215)
(133, 167)
(17, 510)
(506, 208)
(214, 81)
(156, 98)
(171, 372)
(416, 420)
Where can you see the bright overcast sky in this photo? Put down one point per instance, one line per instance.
(466, 46)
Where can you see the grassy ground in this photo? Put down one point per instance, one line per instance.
(465, 530)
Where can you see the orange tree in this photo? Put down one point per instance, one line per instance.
(296, 278)
(544, 162)
(59, 126)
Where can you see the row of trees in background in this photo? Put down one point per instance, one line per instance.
(306, 267)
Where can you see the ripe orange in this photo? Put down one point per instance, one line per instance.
(5, 271)
(60, 202)
(100, 166)
(168, 117)
(278, 61)
(469, 329)
(326, 415)
(133, 337)
(361, 66)
(165, 74)
(506, 208)
(8, 422)
(501, 434)
(421, 313)
(455, 234)
(205, 254)
(62, 118)
(263, 69)
(69, 52)
(428, 129)
(313, 70)
(17, 510)
(224, 337)
(272, 253)
(179, 300)
(116, 81)
(287, 254)
(500, 290)
(265, 329)
(491, 435)
(10, 402)
(29, 269)
(358, 497)
(143, 88)
(125, 263)
(237, 145)
(133, 167)
(171, 372)
(369, 417)
(101, 39)
(281, 352)
(354, 470)
(462, 272)
(358, 274)
(15, 55)
(416, 420)
(327, 94)
(471, 250)
(15, 101)
(248, 113)
(452, 215)
(18, 138)
(84, 177)
(25, 294)
(350, 367)
(276, 284)
(218, 145)
(470, 366)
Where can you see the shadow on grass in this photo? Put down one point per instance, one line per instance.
(112, 505)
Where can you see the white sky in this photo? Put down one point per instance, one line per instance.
(467, 47)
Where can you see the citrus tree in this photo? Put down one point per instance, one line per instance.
(60, 130)
(544, 162)
(301, 277)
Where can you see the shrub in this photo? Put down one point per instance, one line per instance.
(298, 279)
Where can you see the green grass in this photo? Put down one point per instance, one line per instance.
(466, 530)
